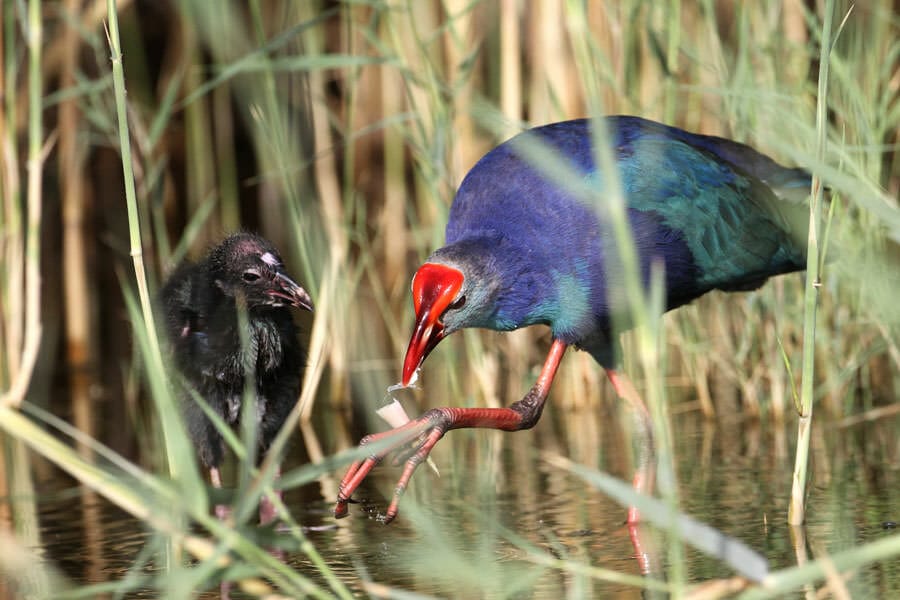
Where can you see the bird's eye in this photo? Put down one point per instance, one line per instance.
(458, 303)
(250, 276)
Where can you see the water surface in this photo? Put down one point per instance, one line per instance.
(472, 531)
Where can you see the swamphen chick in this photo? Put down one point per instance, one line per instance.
(521, 249)
(201, 302)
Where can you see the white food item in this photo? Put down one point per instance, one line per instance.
(395, 415)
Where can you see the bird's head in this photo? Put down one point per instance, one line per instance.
(248, 267)
(447, 295)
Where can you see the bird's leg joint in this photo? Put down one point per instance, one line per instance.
(375, 457)
(439, 419)
(530, 407)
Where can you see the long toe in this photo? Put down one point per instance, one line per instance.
(410, 439)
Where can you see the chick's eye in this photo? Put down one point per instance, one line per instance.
(250, 276)
(458, 303)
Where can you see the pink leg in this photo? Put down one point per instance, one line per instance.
(626, 390)
(644, 476)
(222, 511)
(642, 483)
(215, 477)
(420, 435)
(646, 548)
(267, 510)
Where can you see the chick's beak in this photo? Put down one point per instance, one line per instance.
(433, 288)
(288, 290)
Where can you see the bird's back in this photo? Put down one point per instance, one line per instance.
(713, 193)
(718, 213)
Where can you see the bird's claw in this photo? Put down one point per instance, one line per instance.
(414, 440)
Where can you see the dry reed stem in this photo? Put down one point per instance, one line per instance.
(392, 220)
(549, 90)
(25, 574)
(320, 342)
(37, 156)
(835, 582)
(77, 291)
(510, 65)
(13, 252)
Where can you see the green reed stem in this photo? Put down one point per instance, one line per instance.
(673, 17)
(154, 357)
(11, 217)
(777, 584)
(797, 509)
(178, 458)
(134, 229)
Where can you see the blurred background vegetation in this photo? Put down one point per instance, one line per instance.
(340, 130)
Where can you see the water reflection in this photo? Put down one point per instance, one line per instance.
(471, 531)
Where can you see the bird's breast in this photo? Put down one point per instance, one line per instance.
(267, 345)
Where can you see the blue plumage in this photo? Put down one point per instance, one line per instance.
(525, 246)
(700, 204)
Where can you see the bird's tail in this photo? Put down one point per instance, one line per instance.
(791, 188)
(791, 185)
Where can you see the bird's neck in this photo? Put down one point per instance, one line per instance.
(530, 285)
(225, 317)
(503, 275)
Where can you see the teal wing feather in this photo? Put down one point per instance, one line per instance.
(737, 229)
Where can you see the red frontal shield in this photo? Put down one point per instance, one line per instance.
(433, 288)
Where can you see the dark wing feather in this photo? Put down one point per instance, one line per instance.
(179, 300)
(738, 231)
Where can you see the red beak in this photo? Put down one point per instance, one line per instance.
(433, 288)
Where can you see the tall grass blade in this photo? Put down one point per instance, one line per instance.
(780, 582)
(797, 508)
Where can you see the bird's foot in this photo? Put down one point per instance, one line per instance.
(412, 444)
(268, 512)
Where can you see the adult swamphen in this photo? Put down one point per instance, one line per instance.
(523, 250)
(201, 303)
